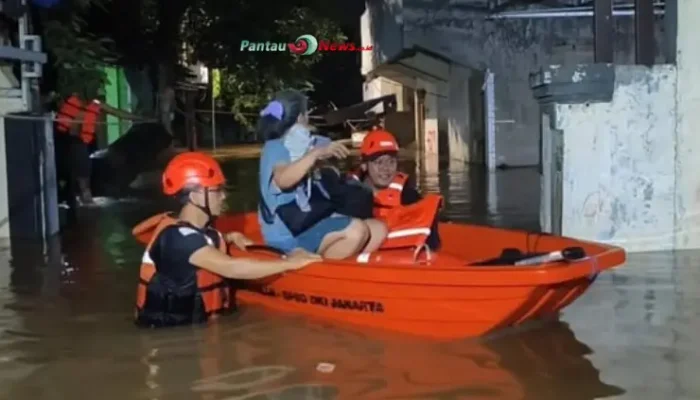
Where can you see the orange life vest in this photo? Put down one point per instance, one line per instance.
(211, 297)
(409, 225)
(70, 111)
(388, 199)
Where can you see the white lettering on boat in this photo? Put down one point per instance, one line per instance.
(322, 301)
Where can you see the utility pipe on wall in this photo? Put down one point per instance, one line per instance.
(564, 13)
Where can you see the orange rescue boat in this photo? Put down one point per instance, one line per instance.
(471, 287)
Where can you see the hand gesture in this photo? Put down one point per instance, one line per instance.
(238, 239)
(336, 149)
(299, 258)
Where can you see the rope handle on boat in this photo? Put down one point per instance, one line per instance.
(418, 251)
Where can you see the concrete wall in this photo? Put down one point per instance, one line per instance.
(402, 125)
(687, 161)
(457, 125)
(511, 49)
(447, 101)
(631, 171)
(618, 177)
(381, 26)
(8, 104)
(465, 115)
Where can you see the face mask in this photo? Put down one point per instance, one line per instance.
(298, 141)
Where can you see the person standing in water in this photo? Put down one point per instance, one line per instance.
(294, 210)
(76, 123)
(185, 268)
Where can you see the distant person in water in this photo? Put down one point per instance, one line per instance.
(76, 122)
(294, 208)
(394, 191)
(185, 265)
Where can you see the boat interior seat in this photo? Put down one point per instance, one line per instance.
(509, 256)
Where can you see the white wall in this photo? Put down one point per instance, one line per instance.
(381, 25)
(7, 105)
(381, 86)
(366, 39)
(618, 172)
(631, 171)
(687, 162)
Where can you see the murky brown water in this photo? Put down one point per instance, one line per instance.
(66, 332)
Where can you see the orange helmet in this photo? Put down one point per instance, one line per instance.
(191, 168)
(378, 141)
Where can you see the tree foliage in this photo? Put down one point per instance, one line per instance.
(249, 79)
(152, 33)
(77, 54)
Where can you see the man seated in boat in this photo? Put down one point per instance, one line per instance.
(410, 216)
(186, 263)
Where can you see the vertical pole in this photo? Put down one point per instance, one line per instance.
(670, 30)
(603, 31)
(645, 48)
(420, 120)
(23, 31)
(213, 117)
(189, 119)
(50, 179)
(113, 127)
(490, 111)
(492, 192)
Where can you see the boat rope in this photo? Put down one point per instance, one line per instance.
(532, 249)
(418, 251)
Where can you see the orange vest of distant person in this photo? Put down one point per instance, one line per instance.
(70, 111)
(409, 225)
(213, 289)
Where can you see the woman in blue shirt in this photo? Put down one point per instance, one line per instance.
(287, 192)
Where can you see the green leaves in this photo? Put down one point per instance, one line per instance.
(249, 79)
(153, 32)
(77, 54)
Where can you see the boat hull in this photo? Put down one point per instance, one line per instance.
(448, 296)
(439, 312)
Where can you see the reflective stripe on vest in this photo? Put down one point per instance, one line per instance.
(411, 225)
(212, 288)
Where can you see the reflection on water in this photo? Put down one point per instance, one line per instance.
(66, 332)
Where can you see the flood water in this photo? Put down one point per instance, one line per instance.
(66, 329)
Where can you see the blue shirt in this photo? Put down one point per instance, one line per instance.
(274, 231)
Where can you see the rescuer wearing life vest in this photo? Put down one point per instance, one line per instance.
(77, 122)
(184, 270)
(407, 213)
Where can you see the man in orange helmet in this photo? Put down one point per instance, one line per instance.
(394, 191)
(186, 263)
